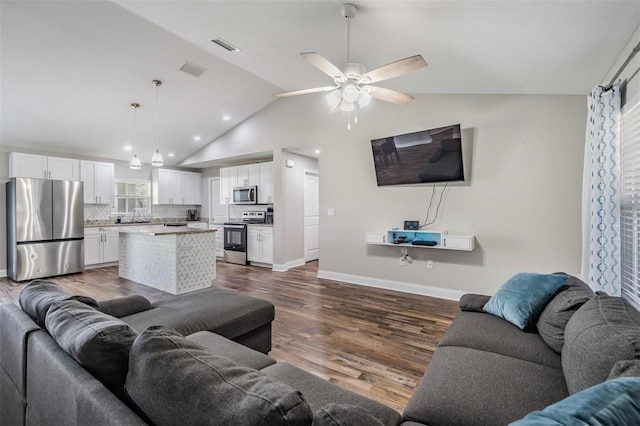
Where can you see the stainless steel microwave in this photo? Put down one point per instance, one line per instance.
(245, 195)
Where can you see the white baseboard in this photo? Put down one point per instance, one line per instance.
(442, 293)
(283, 267)
(3, 273)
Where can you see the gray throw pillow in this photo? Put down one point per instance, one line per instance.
(97, 341)
(625, 368)
(602, 332)
(344, 415)
(473, 302)
(37, 296)
(555, 316)
(173, 380)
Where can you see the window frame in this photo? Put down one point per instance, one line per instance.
(630, 202)
(116, 197)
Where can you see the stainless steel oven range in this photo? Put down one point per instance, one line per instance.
(235, 243)
(235, 237)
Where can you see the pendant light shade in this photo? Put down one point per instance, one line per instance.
(135, 163)
(157, 160)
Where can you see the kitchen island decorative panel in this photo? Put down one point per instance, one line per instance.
(172, 259)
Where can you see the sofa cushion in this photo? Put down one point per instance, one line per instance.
(521, 299)
(37, 296)
(614, 402)
(464, 386)
(234, 314)
(204, 388)
(602, 332)
(123, 306)
(555, 316)
(473, 302)
(217, 345)
(97, 341)
(320, 393)
(492, 334)
(343, 415)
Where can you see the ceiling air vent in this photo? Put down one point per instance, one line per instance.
(225, 44)
(193, 69)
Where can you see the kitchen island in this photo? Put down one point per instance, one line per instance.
(175, 259)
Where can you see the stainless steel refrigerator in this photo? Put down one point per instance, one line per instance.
(45, 228)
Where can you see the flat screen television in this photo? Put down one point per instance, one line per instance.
(427, 156)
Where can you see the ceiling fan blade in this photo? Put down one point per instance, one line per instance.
(388, 95)
(323, 64)
(394, 69)
(306, 91)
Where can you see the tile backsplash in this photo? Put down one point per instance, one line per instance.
(97, 214)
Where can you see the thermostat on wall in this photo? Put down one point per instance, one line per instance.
(411, 225)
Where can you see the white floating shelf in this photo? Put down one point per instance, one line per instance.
(404, 238)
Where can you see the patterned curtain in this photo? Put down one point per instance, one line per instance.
(601, 193)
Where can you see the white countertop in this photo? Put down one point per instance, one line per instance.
(161, 230)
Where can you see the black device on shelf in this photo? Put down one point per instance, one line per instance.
(424, 243)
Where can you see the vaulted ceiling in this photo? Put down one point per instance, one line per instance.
(70, 69)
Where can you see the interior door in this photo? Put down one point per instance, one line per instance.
(218, 212)
(311, 216)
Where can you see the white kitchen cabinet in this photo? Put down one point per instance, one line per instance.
(176, 187)
(43, 167)
(219, 239)
(260, 244)
(242, 175)
(100, 245)
(265, 187)
(98, 181)
(225, 185)
(191, 188)
(258, 174)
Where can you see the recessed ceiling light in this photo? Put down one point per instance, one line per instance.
(226, 117)
(196, 138)
(127, 148)
(317, 151)
(171, 154)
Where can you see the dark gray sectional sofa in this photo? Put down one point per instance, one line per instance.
(126, 361)
(67, 360)
(487, 371)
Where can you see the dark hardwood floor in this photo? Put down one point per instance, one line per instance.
(375, 342)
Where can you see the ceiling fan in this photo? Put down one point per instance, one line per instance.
(352, 82)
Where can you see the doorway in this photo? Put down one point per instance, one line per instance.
(311, 215)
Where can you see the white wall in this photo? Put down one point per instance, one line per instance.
(522, 200)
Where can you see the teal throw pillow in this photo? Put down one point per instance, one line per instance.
(521, 299)
(614, 402)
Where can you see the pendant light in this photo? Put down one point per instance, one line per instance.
(135, 163)
(156, 160)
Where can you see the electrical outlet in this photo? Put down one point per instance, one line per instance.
(429, 264)
(403, 261)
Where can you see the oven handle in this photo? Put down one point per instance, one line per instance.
(235, 226)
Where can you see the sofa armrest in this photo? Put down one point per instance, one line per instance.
(123, 306)
(473, 302)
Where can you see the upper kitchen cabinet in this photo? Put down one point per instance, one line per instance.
(43, 167)
(176, 187)
(98, 181)
(258, 174)
(265, 187)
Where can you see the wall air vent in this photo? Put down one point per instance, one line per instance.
(193, 69)
(225, 44)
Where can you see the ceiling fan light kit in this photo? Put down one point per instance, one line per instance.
(352, 81)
